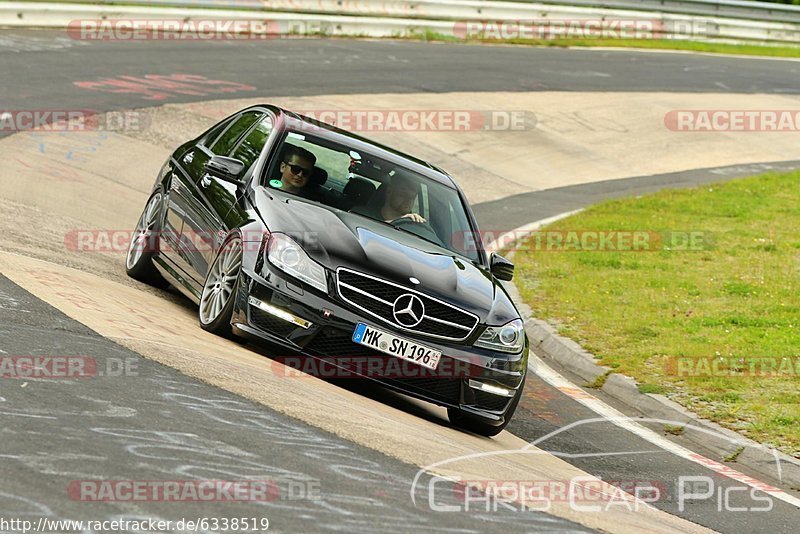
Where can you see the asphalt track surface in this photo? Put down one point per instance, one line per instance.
(41, 455)
(157, 424)
(46, 64)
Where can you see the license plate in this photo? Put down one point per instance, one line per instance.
(396, 346)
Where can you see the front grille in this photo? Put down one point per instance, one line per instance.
(377, 297)
(331, 342)
(491, 402)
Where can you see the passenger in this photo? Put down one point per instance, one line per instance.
(295, 170)
(401, 192)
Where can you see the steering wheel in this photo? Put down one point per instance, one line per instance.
(421, 229)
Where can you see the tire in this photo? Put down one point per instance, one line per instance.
(144, 244)
(219, 290)
(476, 425)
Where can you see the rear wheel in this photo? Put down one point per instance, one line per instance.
(144, 244)
(219, 290)
(477, 425)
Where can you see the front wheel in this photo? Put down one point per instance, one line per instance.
(473, 423)
(144, 244)
(219, 290)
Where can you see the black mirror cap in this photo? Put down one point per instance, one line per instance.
(501, 268)
(229, 169)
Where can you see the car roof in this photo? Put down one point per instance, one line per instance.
(295, 121)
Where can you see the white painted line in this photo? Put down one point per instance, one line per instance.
(32, 416)
(508, 238)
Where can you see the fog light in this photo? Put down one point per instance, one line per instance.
(491, 388)
(278, 312)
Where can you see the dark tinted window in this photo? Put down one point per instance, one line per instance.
(226, 142)
(445, 222)
(214, 132)
(251, 146)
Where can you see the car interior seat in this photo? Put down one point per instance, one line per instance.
(358, 192)
(313, 188)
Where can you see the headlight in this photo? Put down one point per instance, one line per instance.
(285, 254)
(507, 338)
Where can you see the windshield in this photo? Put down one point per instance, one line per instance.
(337, 176)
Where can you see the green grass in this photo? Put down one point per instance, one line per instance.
(600, 381)
(731, 299)
(674, 430)
(732, 457)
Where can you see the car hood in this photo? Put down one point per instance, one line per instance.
(336, 238)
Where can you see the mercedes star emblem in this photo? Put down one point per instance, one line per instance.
(408, 310)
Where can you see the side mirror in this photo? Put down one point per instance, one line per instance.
(501, 268)
(227, 169)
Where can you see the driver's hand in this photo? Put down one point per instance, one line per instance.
(416, 217)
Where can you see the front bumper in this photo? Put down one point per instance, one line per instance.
(305, 322)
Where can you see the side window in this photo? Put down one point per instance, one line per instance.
(335, 163)
(227, 140)
(251, 146)
(214, 132)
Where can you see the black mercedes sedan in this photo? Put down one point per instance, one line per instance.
(353, 258)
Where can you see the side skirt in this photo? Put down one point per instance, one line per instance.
(176, 279)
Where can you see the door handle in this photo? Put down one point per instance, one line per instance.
(205, 181)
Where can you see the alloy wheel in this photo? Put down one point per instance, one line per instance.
(221, 281)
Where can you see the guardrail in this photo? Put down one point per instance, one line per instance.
(742, 9)
(401, 18)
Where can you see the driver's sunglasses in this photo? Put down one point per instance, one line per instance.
(298, 170)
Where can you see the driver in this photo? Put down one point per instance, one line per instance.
(295, 170)
(401, 193)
